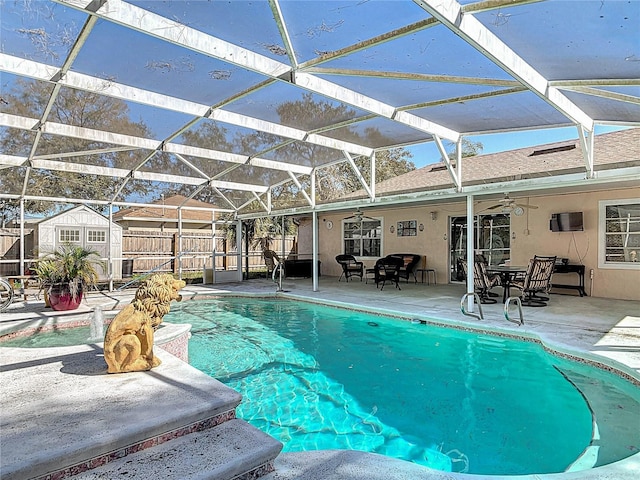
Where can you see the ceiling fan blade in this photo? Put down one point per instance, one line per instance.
(499, 205)
(525, 206)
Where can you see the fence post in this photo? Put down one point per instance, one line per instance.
(175, 246)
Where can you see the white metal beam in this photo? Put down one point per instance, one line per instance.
(598, 92)
(451, 14)
(284, 32)
(121, 91)
(587, 144)
(358, 174)
(12, 160)
(132, 142)
(299, 185)
(179, 34)
(457, 180)
(373, 105)
(84, 169)
(259, 200)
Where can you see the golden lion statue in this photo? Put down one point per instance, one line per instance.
(128, 342)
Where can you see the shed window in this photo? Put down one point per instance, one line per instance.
(619, 234)
(67, 235)
(96, 236)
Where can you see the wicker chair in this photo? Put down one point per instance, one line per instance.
(537, 280)
(388, 269)
(350, 267)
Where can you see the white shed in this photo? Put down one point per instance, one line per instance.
(86, 227)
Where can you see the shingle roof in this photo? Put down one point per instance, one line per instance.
(615, 149)
(161, 213)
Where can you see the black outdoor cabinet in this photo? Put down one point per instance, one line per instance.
(300, 268)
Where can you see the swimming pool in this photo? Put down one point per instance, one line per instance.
(317, 377)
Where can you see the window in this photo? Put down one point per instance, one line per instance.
(619, 234)
(96, 236)
(362, 238)
(407, 228)
(67, 235)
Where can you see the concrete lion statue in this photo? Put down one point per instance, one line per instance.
(128, 342)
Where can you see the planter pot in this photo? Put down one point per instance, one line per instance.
(60, 298)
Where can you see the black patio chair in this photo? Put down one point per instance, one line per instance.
(388, 270)
(350, 267)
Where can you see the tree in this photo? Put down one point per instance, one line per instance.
(9, 210)
(332, 182)
(469, 148)
(336, 180)
(71, 107)
(259, 233)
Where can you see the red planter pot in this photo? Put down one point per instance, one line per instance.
(60, 298)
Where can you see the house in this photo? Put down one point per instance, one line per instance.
(174, 233)
(420, 212)
(196, 215)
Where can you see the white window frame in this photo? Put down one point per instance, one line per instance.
(96, 230)
(602, 226)
(65, 230)
(342, 239)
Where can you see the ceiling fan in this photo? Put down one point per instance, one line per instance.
(358, 216)
(508, 205)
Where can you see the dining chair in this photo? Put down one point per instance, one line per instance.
(482, 281)
(537, 280)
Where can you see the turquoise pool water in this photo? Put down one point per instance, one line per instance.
(317, 377)
(60, 336)
(321, 378)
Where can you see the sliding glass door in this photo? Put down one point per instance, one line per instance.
(491, 240)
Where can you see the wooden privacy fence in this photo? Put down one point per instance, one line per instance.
(144, 251)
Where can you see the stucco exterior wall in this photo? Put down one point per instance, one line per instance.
(530, 235)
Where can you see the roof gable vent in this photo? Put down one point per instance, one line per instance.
(545, 151)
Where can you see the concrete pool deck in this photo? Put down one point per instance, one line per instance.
(602, 330)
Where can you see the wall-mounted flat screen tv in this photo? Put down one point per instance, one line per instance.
(566, 222)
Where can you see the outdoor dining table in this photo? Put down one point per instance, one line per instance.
(507, 274)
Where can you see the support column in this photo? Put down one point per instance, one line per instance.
(21, 271)
(179, 259)
(110, 249)
(314, 257)
(470, 253)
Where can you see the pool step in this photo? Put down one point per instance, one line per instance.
(62, 414)
(231, 450)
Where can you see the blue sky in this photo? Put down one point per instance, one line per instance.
(427, 154)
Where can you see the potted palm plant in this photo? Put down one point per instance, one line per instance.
(45, 270)
(67, 273)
